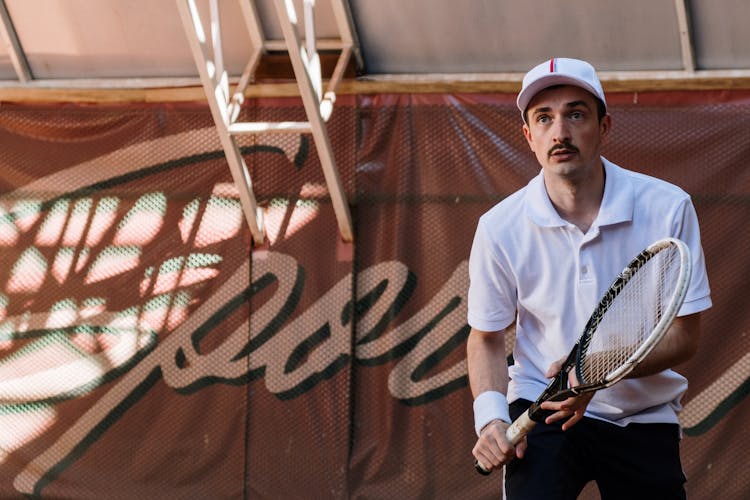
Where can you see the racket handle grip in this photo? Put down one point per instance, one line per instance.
(480, 469)
(514, 434)
(519, 428)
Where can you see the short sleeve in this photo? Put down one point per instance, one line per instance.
(492, 291)
(698, 296)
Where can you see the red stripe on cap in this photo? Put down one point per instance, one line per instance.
(552, 65)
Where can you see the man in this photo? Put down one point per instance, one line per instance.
(540, 261)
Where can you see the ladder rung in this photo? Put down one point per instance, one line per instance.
(320, 44)
(260, 127)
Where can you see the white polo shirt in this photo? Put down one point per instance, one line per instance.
(531, 266)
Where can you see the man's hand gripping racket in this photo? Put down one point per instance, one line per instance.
(629, 321)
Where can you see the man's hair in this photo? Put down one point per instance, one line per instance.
(601, 109)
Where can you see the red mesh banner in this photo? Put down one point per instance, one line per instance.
(148, 349)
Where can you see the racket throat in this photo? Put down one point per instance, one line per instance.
(539, 414)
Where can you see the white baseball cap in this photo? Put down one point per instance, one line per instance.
(559, 71)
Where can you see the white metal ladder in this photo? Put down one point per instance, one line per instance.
(305, 61)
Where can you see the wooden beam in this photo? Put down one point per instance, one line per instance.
(13, 45)
(190, 90)
(686, 35)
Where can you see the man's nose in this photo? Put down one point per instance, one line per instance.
(561, 132)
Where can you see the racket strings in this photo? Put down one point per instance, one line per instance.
(632, 316)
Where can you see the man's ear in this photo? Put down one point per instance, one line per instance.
(605, 126)
(527, 135)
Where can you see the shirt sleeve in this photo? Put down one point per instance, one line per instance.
(492, 292)
(698, 296)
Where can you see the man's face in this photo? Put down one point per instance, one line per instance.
(564, 132)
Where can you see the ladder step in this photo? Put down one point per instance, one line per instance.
(242, 128)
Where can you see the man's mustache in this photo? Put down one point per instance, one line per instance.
(563, 145)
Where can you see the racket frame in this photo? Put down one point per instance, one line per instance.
(668, 316)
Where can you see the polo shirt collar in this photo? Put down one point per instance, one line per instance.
(617, 203)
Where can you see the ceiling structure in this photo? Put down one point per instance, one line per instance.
(226, 50)
(115, 44)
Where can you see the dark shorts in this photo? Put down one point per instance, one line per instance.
(638, 461)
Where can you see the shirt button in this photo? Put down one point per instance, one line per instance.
(584, 270)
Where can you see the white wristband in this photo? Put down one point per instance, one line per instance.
(488, 406)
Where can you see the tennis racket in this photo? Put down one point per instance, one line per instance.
(629, 321)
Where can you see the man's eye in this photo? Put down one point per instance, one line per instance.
(542, 119)
(576, 115)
